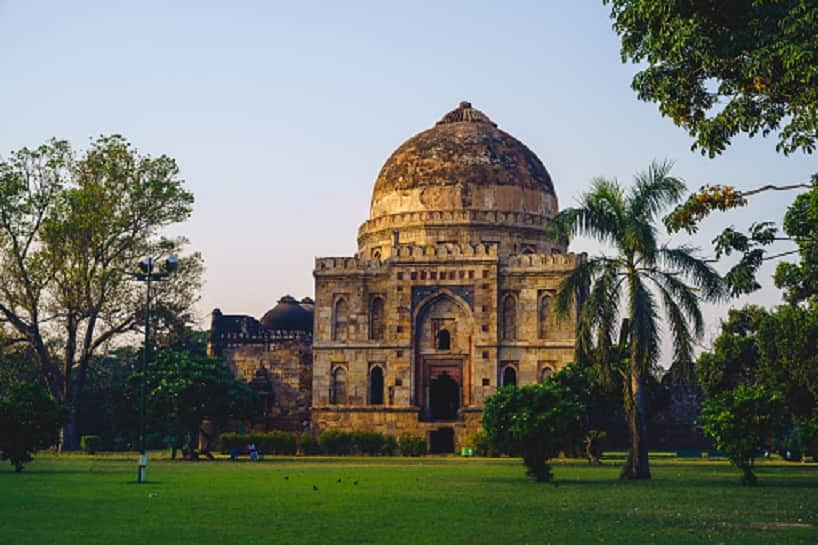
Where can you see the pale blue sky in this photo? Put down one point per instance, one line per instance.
(281, 114)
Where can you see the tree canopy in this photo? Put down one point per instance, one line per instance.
(73, 225)
(185, 388)
(718, 68)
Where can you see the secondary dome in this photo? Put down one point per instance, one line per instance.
(288, 315)
(464, 162)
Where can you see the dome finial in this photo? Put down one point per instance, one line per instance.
(465, 112)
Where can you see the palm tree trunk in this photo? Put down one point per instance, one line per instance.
(636, 466)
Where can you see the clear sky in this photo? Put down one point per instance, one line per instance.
(281, 114)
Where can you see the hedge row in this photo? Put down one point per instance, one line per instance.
(330, 442)
(274, 442)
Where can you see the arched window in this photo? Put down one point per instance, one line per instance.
(376, 319)
(338, 388)
(543, 316)
(510, 376)
(443, 340)
(545, 373)
(376, 385)
(340, 320)
(509, 318)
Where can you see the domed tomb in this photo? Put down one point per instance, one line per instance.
(462, 181)
(288, 316)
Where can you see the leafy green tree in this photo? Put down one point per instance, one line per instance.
(734, 356)
(776, 350)
(719, 69)
(742, 421)
(185, 388)
(30, 419)
(532, 422)
(72, 227)
(799, 281)
(635, 282)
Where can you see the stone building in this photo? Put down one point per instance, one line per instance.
(451, 293)
(273, 355)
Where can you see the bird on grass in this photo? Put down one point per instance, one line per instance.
(314, 487)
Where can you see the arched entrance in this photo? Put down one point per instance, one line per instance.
(443, 329)
(444, 397)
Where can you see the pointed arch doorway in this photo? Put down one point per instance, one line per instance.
(443, 326)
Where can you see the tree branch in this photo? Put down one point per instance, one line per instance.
(770, 187)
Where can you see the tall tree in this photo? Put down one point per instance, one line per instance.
(638, 280)
(185, 388)
(723, 68)
(72, 227)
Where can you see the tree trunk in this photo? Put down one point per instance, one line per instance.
(69, 440)
(636, 466)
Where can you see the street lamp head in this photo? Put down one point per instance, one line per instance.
(145, 265)
(172, 264)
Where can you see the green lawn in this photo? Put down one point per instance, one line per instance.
(84, 500)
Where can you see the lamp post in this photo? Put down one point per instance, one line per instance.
(147, 274)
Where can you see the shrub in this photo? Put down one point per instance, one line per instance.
(367, 443)
(480, 443)
(531, 421)
(90, 444)
(412, 445)
(740, 421)
(274, 442)
(30, 419)
(390, 445)
(309, 445)
(335, 442)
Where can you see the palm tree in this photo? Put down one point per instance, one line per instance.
(639, 279)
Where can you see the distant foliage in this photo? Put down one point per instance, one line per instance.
(335, 443)
(742, 422)
(91, 444)
(185, 388)
(482, 446)
(30, 419)
(412, 445)
(533, 422)
(274, 442)
(308, 445)
(364, 443)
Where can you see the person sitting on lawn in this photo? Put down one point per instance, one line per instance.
(251, 448)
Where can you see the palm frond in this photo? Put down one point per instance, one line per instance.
(683, 294)
(654, 190)
(682, 339)
(644, 332)
(599, 214)
(683, 259)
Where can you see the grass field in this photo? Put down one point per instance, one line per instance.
(86, 500)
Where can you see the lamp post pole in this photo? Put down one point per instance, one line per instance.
(148, 275)
(143, 454)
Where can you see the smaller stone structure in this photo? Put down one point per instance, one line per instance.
(274, 355)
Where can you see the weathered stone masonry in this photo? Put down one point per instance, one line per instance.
(450, 295)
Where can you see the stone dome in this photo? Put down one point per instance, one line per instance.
(462, 181)
(463, 162)
(288, 315)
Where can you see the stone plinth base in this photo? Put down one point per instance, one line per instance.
(395, 421)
